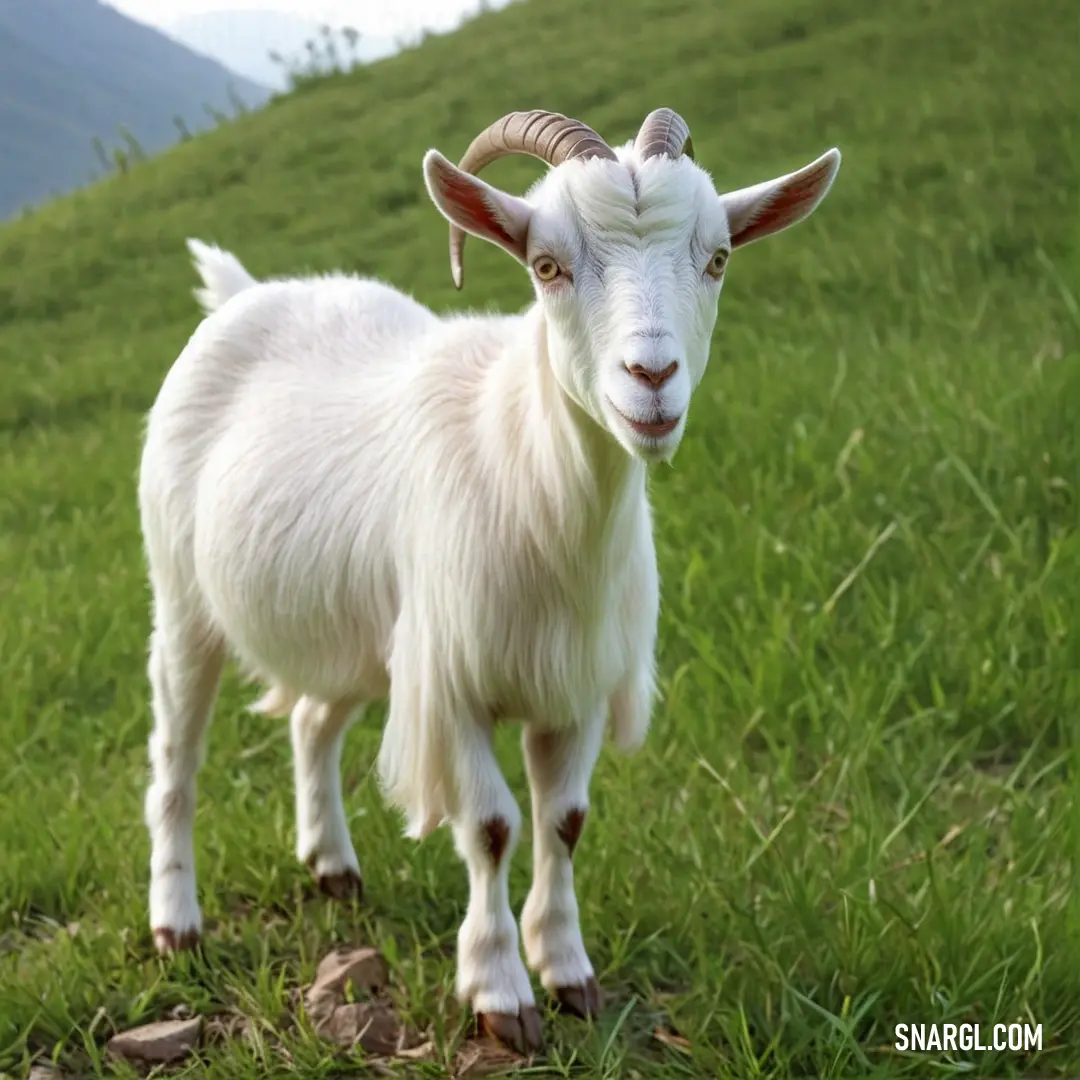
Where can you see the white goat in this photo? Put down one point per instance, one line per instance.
(359, 499)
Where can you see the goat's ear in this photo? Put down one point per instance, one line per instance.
(768, 208)
(476, 207)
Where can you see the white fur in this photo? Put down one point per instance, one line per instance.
(359, 499)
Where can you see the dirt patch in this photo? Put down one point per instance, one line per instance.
(348, 1004)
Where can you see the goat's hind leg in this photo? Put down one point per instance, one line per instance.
(186, 659)
(322, 830)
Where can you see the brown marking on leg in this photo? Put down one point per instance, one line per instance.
(173, 803)
(582, 1001)
(167, 940)
(569, 829)
(496, 836)
(522, 1033)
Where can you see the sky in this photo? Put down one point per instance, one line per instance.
(375, 17)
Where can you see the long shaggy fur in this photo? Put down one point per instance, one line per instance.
(343, 513)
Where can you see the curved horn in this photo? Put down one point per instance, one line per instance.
(664, 131)
(549, 136)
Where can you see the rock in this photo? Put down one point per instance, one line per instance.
(365, 968)
(165, 1041)
(45, 1072)
(374, 1025)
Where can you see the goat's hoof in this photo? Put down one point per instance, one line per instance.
(348, 885)
(167, 940)
(522, 1033)
(582, 1001)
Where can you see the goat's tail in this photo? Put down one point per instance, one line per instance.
(222, 273)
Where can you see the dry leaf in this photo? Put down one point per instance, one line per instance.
(483, 1057)
(670, 1038)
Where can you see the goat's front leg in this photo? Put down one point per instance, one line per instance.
(490, 974)
(559, 764)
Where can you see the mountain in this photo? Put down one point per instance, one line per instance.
(243, 40)
(73, 70)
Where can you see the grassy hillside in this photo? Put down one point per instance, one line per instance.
(858, 806)
(75, 70)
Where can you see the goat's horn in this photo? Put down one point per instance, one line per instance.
(664, 131)
(549, 136)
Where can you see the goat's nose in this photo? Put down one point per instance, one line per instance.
(653, 376)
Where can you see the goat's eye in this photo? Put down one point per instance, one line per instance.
(546, 268)
(717, 263)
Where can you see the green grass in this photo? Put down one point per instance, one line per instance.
(858, 805)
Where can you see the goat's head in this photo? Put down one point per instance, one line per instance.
(627, 251)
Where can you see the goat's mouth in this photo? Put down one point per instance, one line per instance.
(649, 429)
